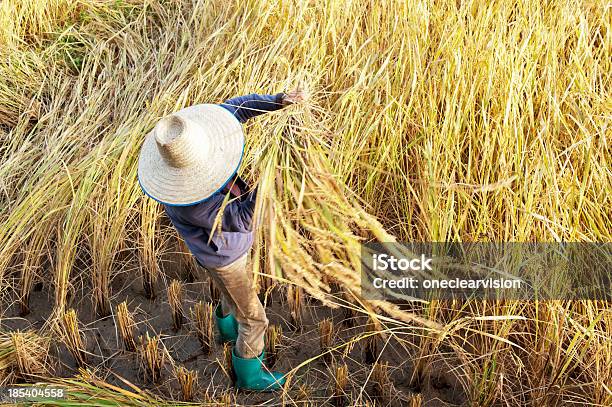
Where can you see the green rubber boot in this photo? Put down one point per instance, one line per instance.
(252, 375)
(228, 326)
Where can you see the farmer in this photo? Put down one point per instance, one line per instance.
(189, 163)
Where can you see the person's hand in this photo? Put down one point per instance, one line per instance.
(295, 96)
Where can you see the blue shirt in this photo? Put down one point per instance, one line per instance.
(195, 222)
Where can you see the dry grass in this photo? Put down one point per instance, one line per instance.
(434, 121)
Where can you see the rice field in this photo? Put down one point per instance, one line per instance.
(427, 121)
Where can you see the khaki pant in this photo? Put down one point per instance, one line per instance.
(239, 298)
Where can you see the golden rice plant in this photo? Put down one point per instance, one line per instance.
(86, 388)
(265, 284)
(263, 280)
(203, 320)
(188, 380)
(152, 357)
(426, 346)
(127, 326)
(326, 338)
(175, 299)
(73, 338)
(108, 221)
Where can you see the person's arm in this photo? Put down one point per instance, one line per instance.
(238, 214)
(249, 106)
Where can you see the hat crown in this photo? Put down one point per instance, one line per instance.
(178, 142)
(190, 154)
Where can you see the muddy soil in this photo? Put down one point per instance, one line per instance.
(312, 385)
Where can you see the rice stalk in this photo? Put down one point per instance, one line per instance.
(350, 313)
(113, 201)
(303, 396)
(149, 267)
(23, 356)
(215, 294)
(152, 357)
(73, 338)
(29, 273)
(339, 396)
(295, 301)
(274, 337)
(203, 319)
(175, 299)
(227, 399)
(416, 400)
(127, 327)
(228, 364)
(187, 262)
(188, 380)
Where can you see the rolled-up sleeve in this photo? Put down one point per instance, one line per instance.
(249, 106)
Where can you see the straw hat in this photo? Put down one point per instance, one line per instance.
(190, 155)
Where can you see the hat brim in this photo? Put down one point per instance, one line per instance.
(197, 182)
